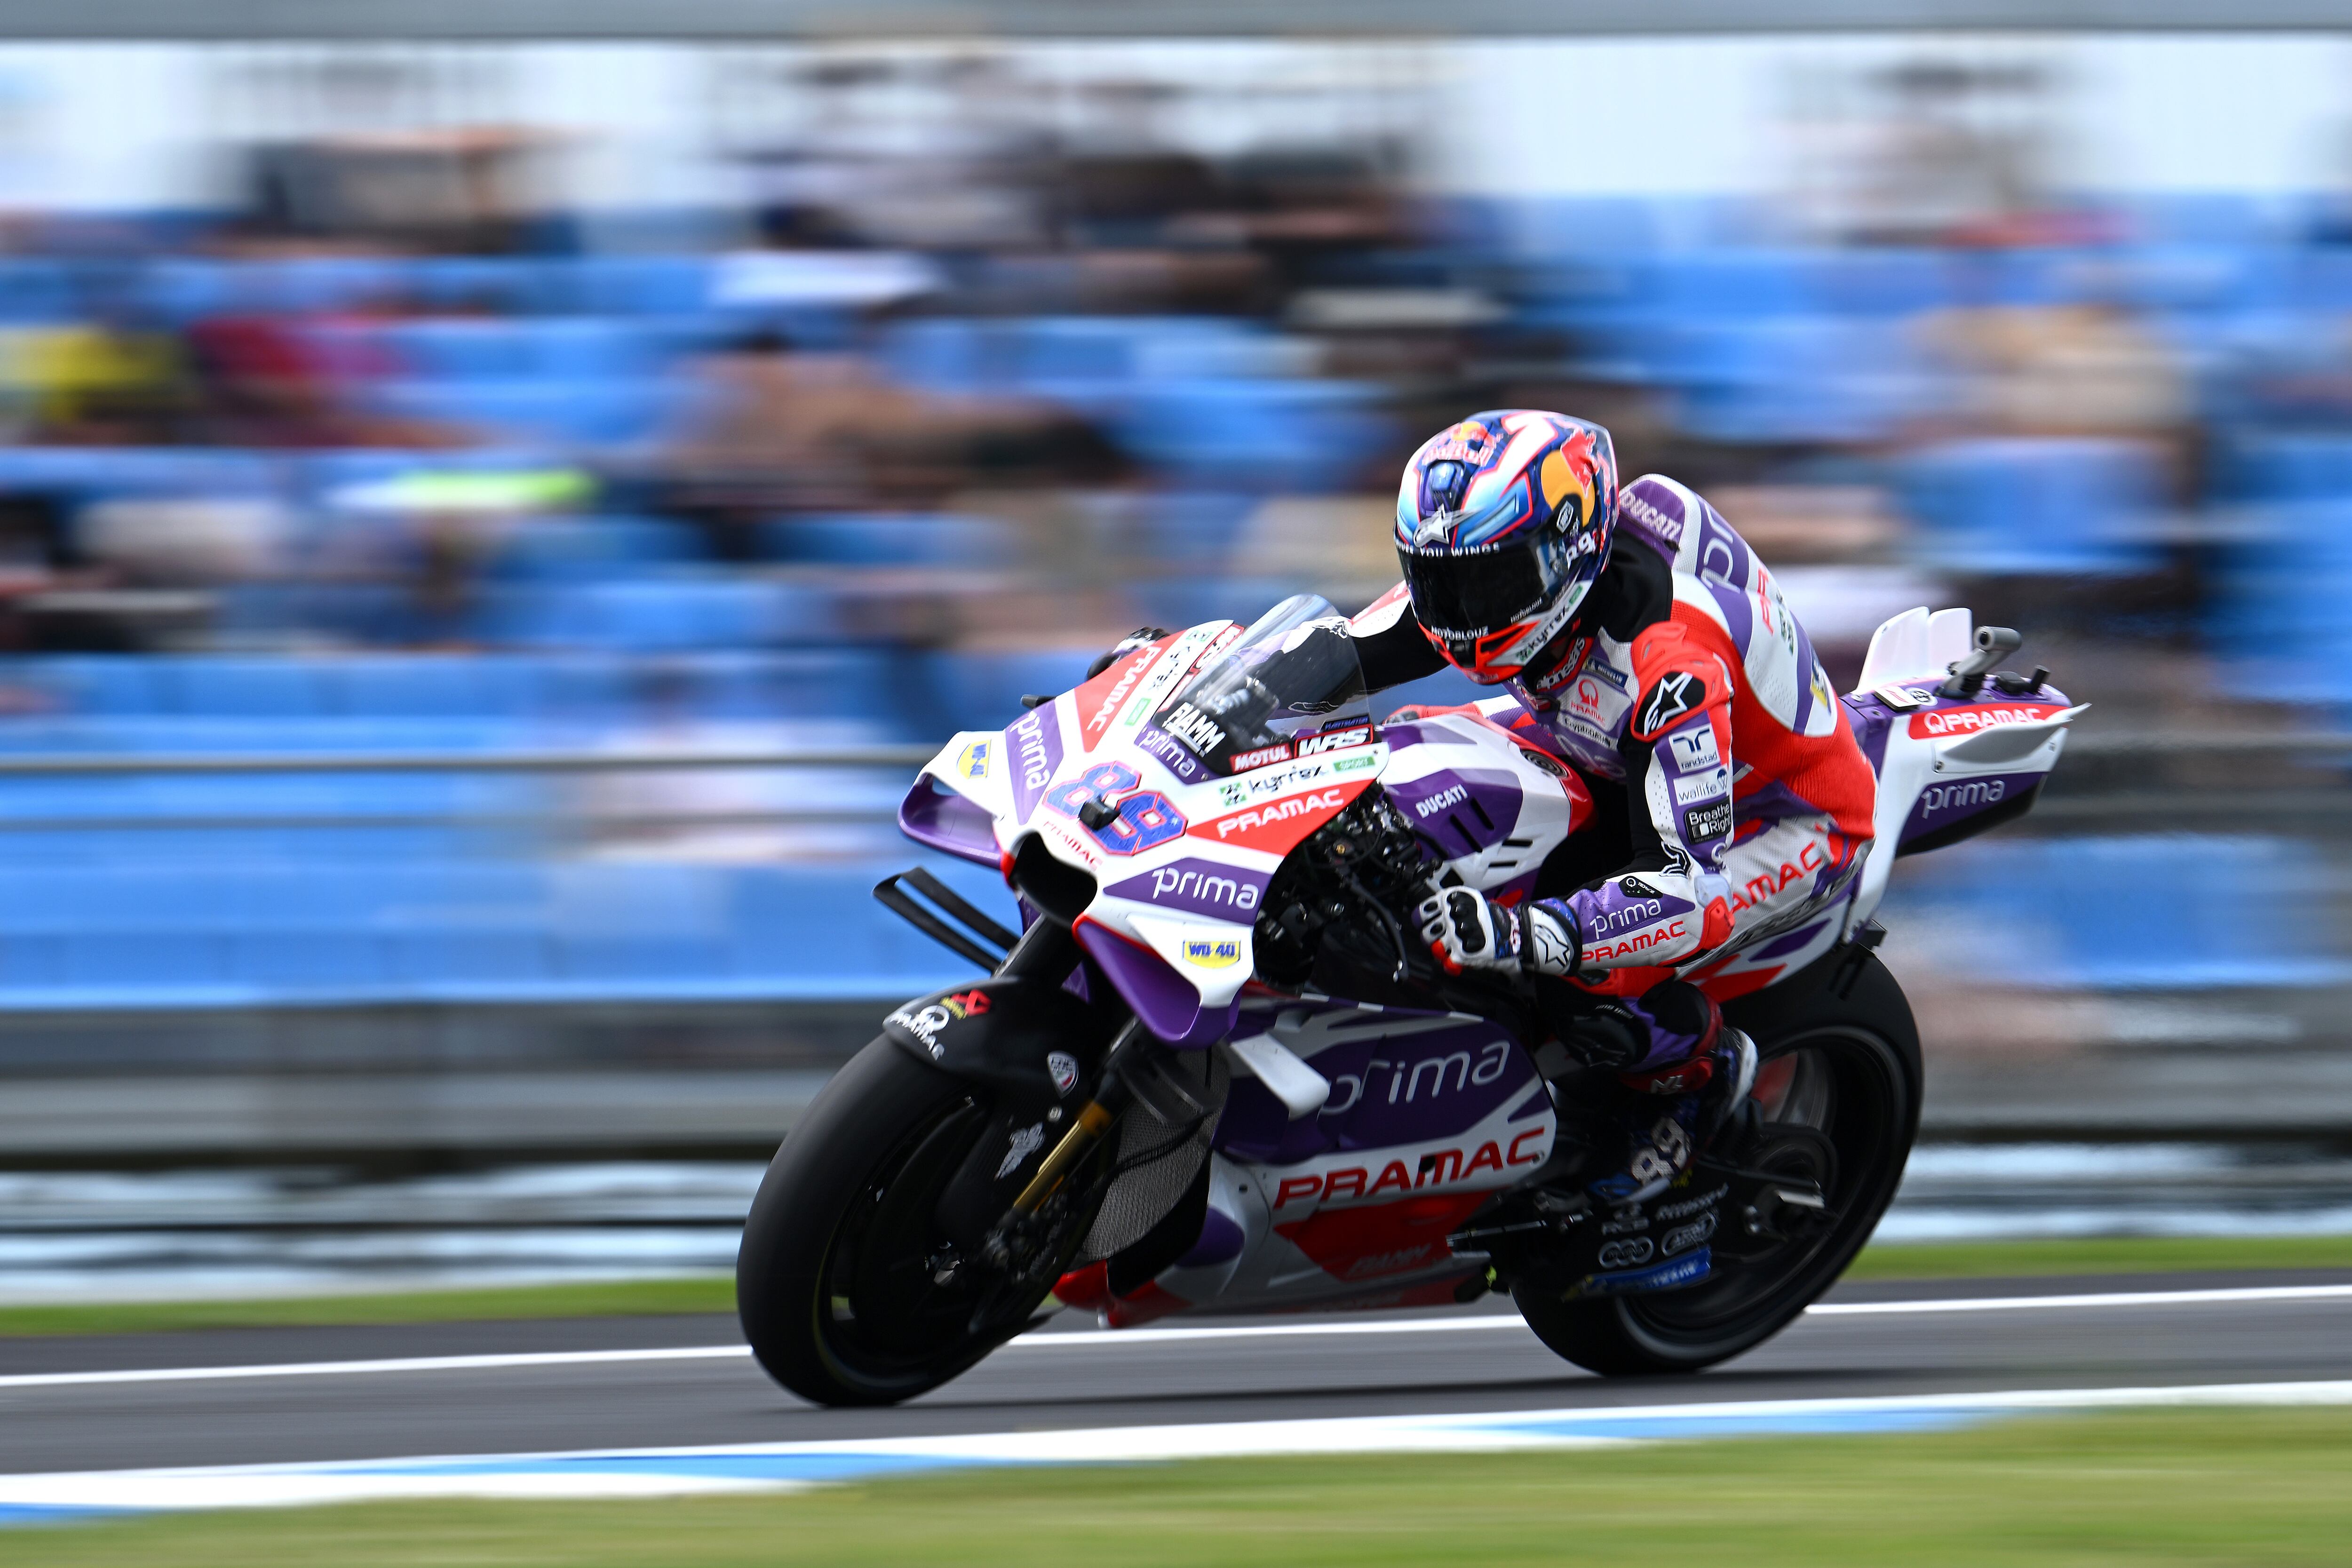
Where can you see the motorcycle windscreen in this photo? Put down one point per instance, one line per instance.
(1291, 686)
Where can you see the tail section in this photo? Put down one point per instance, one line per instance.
(1959, 749)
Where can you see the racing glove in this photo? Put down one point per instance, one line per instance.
(1465, 929)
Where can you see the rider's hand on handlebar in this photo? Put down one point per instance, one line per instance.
(1466, 932)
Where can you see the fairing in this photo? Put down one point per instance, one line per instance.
(1355, 1139)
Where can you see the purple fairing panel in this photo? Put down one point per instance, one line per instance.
(1946, 801)
(1400, 736)
(1198, 886)
(946, 821)
(1871, 724)
(1221, 1242)
(1385, 1090)
(1462, 810)
(1033, 745)
(1164, 1000)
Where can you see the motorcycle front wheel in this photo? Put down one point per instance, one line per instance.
(854, 1284)
(1838, 1095)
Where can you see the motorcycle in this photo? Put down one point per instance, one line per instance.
(1216, 1072)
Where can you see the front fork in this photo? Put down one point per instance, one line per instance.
(1048, 951)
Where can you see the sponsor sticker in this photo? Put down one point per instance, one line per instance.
(1706, 1200)
(1673, 696)
(1078, 843)
(1626, 1253)
(1687, 1269)
(1975, 716)
(1668, 530)
(1185, 655)
(1262, 757)
(1199, 887)
(1212, 952)
(1099, 699)
(926, 1022)
(1682, 1239)
(1711, 785)
(1641, 912)
(1278, 823)
(1170, 753)
(1708, 822)
(1026, 1141)
(1195, 729)
(1339, 739)
(1695, 749)
(971, 762)
(1033, 745)
(1064, 1069)
(1964, 796)
(1440, 1168)
(1282, 781)
(1424, 809)
(1639, 942)
(1903, 699)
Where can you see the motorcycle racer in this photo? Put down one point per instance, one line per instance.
(1652, 652)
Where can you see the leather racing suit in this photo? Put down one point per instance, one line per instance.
(1701, 695)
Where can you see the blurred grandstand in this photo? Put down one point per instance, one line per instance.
(943, 366)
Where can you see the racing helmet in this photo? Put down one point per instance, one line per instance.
(1503, 525)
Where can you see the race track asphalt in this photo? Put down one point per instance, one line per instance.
(723, 1398)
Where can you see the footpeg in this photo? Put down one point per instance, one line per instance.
(1783, 1213)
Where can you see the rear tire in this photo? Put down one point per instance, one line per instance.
(1845, 1095)
(851, 1288)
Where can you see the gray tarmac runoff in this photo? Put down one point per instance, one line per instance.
(259, 1396)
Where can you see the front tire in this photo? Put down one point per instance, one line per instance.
(1838, 1095)
(853, 1285)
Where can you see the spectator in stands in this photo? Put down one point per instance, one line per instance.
(789, 429)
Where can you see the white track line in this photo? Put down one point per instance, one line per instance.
(362, 1368)
(786, 1465)
(2111, 1299)
(1090, 1338)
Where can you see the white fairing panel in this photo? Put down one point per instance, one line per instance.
(1916, 650)
(1460, 760)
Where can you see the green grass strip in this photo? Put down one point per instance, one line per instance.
(2264, 1489)
(590, 1299)
(2099, 1255)
(716, 1293)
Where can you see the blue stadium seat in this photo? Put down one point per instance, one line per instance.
(240, 687)
(645, 285)
(884, 539)
(35, 291)
(132, 962)
(2033, 506)
(2173, 911)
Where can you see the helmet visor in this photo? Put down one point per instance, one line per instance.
(1464, 594)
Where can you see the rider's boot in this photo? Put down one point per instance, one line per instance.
(1685, 1073)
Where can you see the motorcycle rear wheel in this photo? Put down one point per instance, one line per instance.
(1841, 1069)
(850, 1289)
